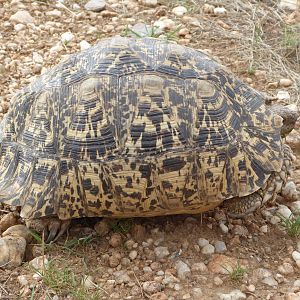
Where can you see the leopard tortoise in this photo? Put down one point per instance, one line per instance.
(137, 128)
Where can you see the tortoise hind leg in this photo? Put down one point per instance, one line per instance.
(51, 226)
(238, 207)
(55, 228)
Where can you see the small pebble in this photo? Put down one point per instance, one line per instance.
(283, 95)
(151, 287)
(285, 82)
(161, 252)
(202, 242)
(208, 249)
(220, 11)
(183, 270)
(133, 254)
(150, 3)
(67, 37)
(115, 240)
(220, 247)
(179, 11)
(84, 45)
(234, 295)
(197, 293)
(22, 16)
(224, 228)
(296, 256)
(95, 5)
(218, 281)
(264, 229)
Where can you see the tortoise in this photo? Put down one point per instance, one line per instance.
(135, 128)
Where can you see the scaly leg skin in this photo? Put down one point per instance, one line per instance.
(52, 227)
(238, 207)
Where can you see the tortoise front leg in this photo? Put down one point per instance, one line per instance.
(51, 226)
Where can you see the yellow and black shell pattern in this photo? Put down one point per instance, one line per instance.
(132, 128)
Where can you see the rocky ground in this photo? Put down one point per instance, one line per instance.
(207, 256)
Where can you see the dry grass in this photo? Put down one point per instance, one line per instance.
(257, 37)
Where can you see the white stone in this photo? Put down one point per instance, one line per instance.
(54, 50)
(161, 252)
(133, 254)
(12, 250)
(289, 191)
(199, 267)
(95, 5)
(220, 11)
(286, 268)
(197, 293)
(22, 280)
(76, 6)
(164, 23)
(39, 263)
(218, 281)
(261, 273)
(285, 82)
(54, 13)
(19, 27)
(234, 295)
(251, 288)
(84, 45)
(67, 37)
(179, 11)
(224, 228)
(183, 270)
(270, 281)
(284, 211)
(121, 277)
(37, 58)
(295, 206)
(296, 256)
(208, 249)
(147, 269)
(170, 279)
(264, 229)
(150, 3)
(152, 287)
(275, 220)
(22, 16)
(220, 247)
(283, 95)
(88, 282)
(297, 283)
(203, 242)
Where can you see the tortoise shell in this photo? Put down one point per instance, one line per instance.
(132, 128)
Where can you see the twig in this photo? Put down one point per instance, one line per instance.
(138, 282)
(4, 290)
(61, 5)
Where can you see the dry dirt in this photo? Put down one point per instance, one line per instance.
(259, 43)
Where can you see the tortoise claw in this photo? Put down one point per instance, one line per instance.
(55, 229)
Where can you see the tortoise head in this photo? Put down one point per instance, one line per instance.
(289, 117)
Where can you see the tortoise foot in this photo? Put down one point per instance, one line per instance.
(52, 227)
(239, 207)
